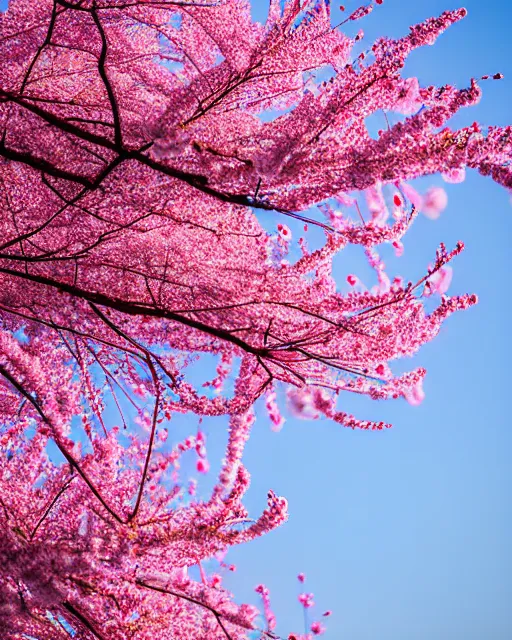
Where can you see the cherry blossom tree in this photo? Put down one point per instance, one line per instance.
(147, 148)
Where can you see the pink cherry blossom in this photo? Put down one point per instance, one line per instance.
(455, 175)
(408, 100)
(412, 195)
(440, 281)
(398, 247)
(202, 465)
(273, 411)
(434, 202)
(415, 395)
(318, 628)
(144, 174)
(308, 403)
(284, 232)
(306, 600)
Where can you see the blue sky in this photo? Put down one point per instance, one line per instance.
(405, 534)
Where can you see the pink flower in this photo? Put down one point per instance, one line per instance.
(273, 411)
(409, 100)
(140, 390)
(182, 575)
(454, 176)
(143, 420)
(284, 232)
(317, 628)
(440, 280)
(307, 402)
(202, 465)
(411, 193)
(249, 612)
(301, 577)
(262, 589)
(344, 199)
(215, 580)
(398, 247)
(384, 282)
(415, 395)
(377, 205)
(434, 202)
(306, 600)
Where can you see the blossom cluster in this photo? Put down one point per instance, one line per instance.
(142, 165)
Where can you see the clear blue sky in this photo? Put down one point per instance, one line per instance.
(406, 534)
